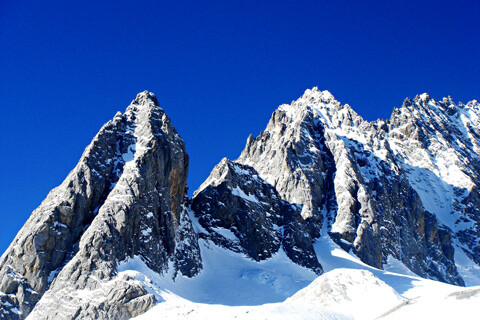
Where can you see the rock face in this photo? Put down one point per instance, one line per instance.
(406, 188)
(124, 198)
(386, 188)
(243, 213)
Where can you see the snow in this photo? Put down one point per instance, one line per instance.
(59, 224)
(468, 270)
(355, 293)
(130, 154)
(230, 286)
(231, 278)
(395, 266)
(147, 232)
(226, 233)
(241, 171)
(52, 275)
(239, 193)
(15, 310)
(234, 287)
(424, 96)
(177, 308)
(441, 304)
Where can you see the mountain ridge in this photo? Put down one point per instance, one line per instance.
(319, 127)
(318, 170)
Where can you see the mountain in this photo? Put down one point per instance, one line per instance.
(318, 191)
(125, 197)
(244, 213)
(406, 187)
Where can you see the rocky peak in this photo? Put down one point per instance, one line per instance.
(344, 171)
(428, 109)
(315, 95)
(146, 99)
(123, 199)
(405, 189)
(242, 212)
(220, 173)
(291, 154)
(324, 107)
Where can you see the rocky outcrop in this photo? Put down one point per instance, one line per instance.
(439, 143)
(243, 213)
(406, 188)
(123, 199)
(361, 178)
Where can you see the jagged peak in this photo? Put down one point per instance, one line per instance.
(423, 97)
(141, 111)
(145, 97)
(324, 107)
(426, 105)
(225, 170)
(315, 95)
(312, 98)
(118, 115)
(216, 177)
(423, 101)
(145, 100)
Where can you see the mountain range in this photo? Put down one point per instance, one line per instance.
(323, 215)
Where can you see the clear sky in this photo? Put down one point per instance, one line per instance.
(218, 68)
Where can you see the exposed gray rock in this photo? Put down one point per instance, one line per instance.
(361, 176)
(406, 188)
(123, 199)
(440, 144)
(243, 213)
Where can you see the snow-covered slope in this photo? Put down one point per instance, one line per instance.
(349, 289)
(323, 216)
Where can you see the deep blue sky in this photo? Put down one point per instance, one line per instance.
(219, 69)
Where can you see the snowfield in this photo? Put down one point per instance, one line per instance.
(234, 287)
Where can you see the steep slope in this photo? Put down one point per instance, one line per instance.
(243, 213)
(320, 190)
(124, 198)
(359, 176)
(438, 143)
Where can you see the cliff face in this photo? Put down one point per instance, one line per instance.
(243, 213)
(386, 188)
(405, 188)
(124, 198)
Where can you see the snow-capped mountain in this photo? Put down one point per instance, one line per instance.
(124, 198)
(320, 214)
(405, 187)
